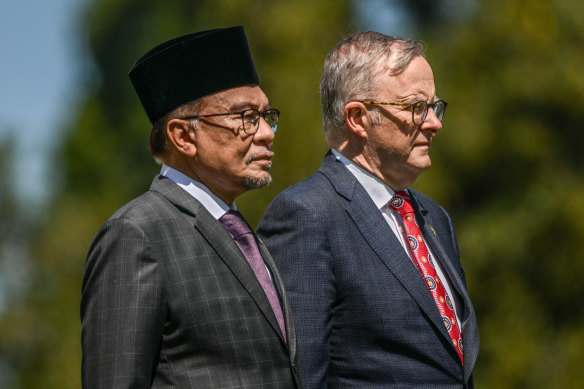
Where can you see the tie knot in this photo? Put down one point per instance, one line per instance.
(401, 203)
(234, 222)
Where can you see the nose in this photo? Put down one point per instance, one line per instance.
(265, 133)
(432, 123)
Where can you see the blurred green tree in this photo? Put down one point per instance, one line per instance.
(13, 264)
(509, 167)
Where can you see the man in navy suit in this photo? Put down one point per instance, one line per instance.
(365, 316)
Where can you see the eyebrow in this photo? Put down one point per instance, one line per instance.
(407, 98)
(244, 106)
(415, 99)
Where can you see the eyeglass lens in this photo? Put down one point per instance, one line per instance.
(251, 119)
(421, 110)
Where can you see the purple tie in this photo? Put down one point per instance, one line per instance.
(234, 222)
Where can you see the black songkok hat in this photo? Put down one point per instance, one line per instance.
(192, 66)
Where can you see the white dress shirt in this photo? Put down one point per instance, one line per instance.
(381, 194)
(208, 199)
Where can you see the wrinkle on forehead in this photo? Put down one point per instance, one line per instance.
(416, 82)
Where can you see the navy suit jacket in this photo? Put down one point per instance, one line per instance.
(364, 316)
(169, 301)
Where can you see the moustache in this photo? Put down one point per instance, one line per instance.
(266, 155)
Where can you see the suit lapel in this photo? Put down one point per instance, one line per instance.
(469, 327)
(230, 253)
(382, 240)
(374, 229)
(285, 303)
(221, 241)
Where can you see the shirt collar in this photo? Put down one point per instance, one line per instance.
(208, 199)
(379, 192)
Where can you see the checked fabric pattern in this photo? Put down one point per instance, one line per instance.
(401, 203)
(234, 222)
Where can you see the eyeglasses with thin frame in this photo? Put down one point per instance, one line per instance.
(419, 109)
(250, 118)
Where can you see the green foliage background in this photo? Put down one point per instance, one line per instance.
(507, 166)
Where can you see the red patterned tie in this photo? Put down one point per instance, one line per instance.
(401, 203)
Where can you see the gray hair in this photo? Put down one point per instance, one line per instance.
(352, 66)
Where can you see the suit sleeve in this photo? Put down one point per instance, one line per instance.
(293, 232)
(122, 311)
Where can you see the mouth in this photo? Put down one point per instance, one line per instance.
(424, 140)
(265, 157)
(423, 144)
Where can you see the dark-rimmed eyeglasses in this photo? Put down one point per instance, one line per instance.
(250, 118)
(419, 109)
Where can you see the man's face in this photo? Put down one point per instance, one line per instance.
(399, 149)
(228, 160)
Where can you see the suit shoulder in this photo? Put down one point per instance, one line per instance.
(311, 187)
(426, 201)
(149, 205)
(136, 217)
(312, 197)
(306, 203)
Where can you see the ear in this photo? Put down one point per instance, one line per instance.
(357, 118)
(182, 136)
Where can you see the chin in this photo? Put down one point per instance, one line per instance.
(257, 182)
(423, 163)
(423, 168)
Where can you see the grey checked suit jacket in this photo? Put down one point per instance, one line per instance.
(364, 316)
(169, 301)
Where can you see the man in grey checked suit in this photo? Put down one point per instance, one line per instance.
(169, 299)
(365, 316)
